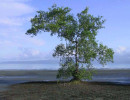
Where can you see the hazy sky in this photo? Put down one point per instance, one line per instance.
(15, 18)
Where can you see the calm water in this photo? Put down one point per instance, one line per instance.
(18, 76)
(9, 77)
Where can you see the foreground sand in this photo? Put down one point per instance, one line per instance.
(66, 91)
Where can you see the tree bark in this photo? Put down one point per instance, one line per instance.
(76, 57)
(75, 74)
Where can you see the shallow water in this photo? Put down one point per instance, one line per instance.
(8, 78)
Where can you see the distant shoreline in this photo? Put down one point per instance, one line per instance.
(105, 69)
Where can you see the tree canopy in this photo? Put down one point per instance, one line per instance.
(79, 32)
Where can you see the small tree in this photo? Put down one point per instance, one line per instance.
(81, 47)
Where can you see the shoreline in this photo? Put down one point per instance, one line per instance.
(5, 87)
(88, 82)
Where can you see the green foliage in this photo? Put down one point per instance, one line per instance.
(79, 32)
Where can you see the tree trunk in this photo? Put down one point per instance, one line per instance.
(75, 74)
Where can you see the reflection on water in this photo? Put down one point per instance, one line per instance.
(120, 76)
(21, 79)
(101, 77)
(122, 80)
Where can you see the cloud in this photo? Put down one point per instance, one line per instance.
(33, 54)
(11, 21)
(6, 42)
(15, 0)
(123, 58)
(122, 55)
(12, 8)
(21, 41)
(37, 42)
(12, 12)
(15, 16)
(120, 49)
(14, 37)
(24, 54)
(28, 53)
(14, 19)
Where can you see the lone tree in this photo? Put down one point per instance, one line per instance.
(79, 32)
